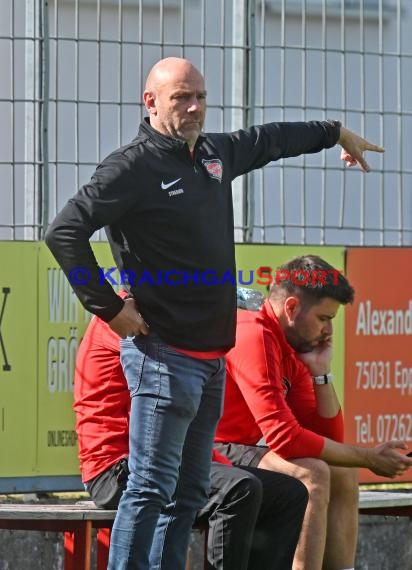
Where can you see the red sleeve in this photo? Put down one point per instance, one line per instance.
(101, 400)
(256, 365)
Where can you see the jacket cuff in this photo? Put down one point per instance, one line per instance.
(108, 313)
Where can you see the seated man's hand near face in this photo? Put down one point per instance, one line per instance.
(319, 359)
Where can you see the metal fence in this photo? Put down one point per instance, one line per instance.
(72, 74)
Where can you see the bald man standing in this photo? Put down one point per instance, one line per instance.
(165, 200)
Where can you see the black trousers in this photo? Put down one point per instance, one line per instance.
(254, 515)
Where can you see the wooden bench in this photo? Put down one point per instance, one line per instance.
(77, 522)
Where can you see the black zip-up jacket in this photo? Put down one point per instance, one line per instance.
(169, 219)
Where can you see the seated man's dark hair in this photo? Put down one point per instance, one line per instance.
(311, 277)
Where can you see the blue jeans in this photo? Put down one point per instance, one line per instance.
(176, 402)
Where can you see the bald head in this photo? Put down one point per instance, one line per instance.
(170, 69)
(175, 99)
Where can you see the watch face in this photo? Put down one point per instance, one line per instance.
(319, 380)
(325, 379)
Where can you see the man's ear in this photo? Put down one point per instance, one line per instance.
(291, 307)
(150, 102)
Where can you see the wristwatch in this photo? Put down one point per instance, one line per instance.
(323, 379)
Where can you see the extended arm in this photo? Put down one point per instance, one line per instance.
(255, 147)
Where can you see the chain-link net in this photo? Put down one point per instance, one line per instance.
(73, 73)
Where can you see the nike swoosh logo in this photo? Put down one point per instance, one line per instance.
(166, 186)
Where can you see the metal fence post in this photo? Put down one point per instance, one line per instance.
(44, 120)
(31, 118)
(239, 101)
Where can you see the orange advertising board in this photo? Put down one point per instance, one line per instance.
(378, 356)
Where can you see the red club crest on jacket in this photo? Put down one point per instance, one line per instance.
(214, 167)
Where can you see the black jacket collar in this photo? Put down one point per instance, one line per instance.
(161, 140)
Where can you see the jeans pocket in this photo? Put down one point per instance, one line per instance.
(132, 360)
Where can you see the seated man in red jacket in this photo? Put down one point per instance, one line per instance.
(254, 516)
(279, 387)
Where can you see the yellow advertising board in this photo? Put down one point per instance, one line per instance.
(41, 325)
(62, 322)
(18, 358)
